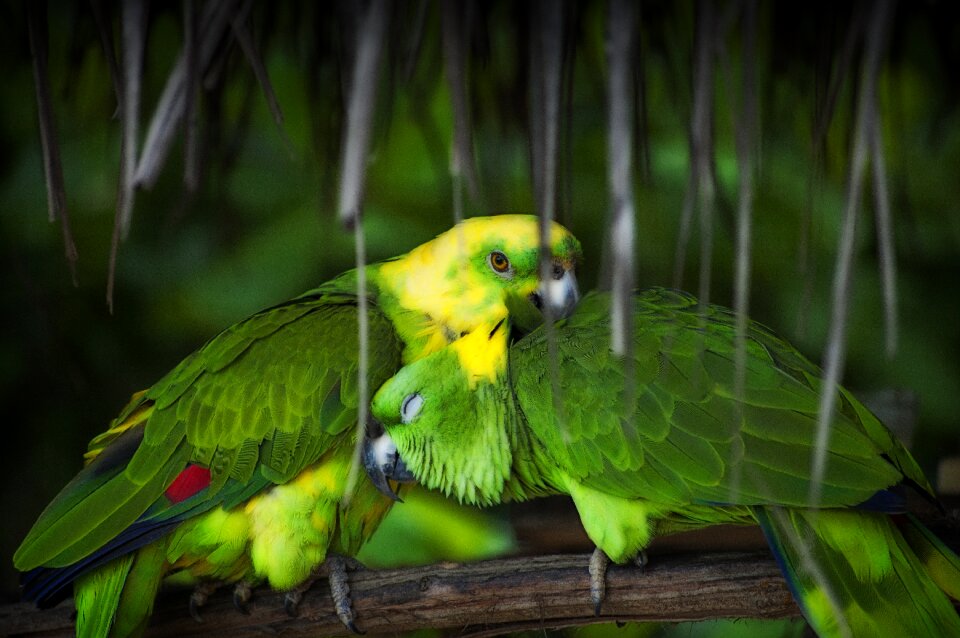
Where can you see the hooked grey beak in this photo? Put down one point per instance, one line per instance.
(559, 292)
(382, 462)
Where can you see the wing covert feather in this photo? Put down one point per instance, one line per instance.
(263, 399)
(682, 433)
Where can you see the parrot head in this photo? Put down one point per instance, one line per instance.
(443, 423)
(484, 269)
(439, 420)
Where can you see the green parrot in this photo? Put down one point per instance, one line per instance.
(232, 467)
(663, 442)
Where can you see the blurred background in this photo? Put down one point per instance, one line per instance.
(242, 212)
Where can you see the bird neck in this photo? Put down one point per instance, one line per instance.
(532, 471)
(436, 295)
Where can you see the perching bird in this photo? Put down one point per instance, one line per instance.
(664, 441)
(232, 467)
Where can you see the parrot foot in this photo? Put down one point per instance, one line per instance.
(291, 600)
(335, 567)
(199, 598)
(598, 578)
(242, 593)
(598, 575)
(641, 560)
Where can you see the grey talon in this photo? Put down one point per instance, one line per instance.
(291, 602)
(195, 610)
(241, 596)
(337, 567)
(598, 579)
(198, 598)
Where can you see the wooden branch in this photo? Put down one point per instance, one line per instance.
(482, 598)
(489, 598)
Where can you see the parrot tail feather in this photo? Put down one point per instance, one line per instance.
(47, 586)
(97, 596)
(853, 573)
(940, 562)
(116, 599)
(892, 500)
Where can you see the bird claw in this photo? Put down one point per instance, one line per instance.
(291, 601)
(195, 608)
(242, 593)
(641, 560)
(598, 575)
(336, 568)
(199, 598)
(598, 578)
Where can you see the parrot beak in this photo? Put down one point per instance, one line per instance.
(560, 292)
(382, 462)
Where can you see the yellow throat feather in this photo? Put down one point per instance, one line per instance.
(443, 280)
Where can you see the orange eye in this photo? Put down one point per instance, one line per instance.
(499, 262)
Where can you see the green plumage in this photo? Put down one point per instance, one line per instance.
(688, 425)
(233, 466)
(245, 405)
(257, 405)
(664, 442)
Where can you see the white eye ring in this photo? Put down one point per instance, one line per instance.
(410, 408)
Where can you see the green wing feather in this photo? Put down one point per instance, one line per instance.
(854, 574)
(97, 597)
(663, 441)
(139, 591)
(260, 401)
(670, 435)
(679, 433)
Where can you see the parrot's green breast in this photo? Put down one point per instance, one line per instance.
(281, 534)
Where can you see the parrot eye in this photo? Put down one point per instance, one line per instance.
(410, 408)
(499, 263)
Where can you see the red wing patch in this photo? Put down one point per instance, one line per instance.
(191, 480)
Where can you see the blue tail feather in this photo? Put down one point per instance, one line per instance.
(47, 586)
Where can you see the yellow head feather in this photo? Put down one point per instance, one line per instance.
(482, 354)
(451, 281)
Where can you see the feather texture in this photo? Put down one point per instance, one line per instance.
(682, 447)
(234, 465)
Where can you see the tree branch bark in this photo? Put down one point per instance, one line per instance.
(485, 598)
(478, 599)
